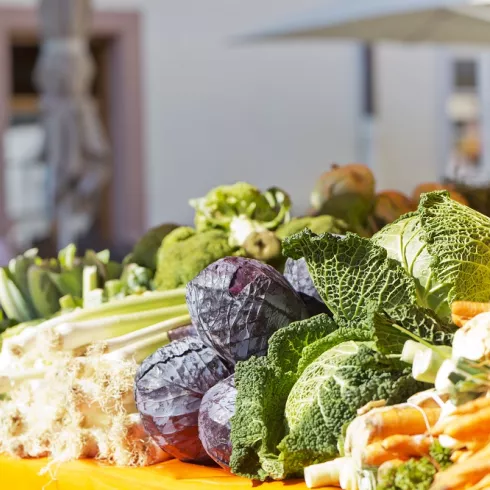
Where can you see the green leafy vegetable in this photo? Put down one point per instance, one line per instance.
(445, 247)
(292, 404)
(350, 272)
(263, 386)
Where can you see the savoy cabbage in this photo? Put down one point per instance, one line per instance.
(292, 404)
(445, 247)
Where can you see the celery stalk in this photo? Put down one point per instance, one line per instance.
(141, 343)
(67, 302)
(94, 298)
(74, 335)
(142, 303)
(129, 304)
(113, 288)
(89, 280)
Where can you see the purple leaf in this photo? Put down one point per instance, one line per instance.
(217, 408)
(236, 304)
(169, 388)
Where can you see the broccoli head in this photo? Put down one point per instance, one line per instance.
(144, 253)
(317, 224)
(184, 253)
(416, 474)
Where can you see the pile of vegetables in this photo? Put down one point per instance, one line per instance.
(75, 330)
(274, 347)
(348, 192)
(231, 220)
(282, 397)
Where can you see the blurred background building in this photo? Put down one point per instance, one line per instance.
(187, 108)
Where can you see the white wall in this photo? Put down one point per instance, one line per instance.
(218, 112)
(410, 116)
(269, 114)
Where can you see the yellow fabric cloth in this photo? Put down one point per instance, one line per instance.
(21, 474)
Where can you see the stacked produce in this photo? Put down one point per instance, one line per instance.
(348, 192)
(67, 372)
(342, 398)
(232, 220)
(361, 363)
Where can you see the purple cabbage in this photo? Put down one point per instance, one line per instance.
(169, 388)
(296, 272)
(182, 332)
(217, 408)
(236, 304)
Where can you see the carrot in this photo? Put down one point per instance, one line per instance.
(464, 474)
(404, 420)
(469, 309)
(460, 321)
(483, 484)
(460, 455)
(407, 445)
(400, 447)
(375, 455)
(467, 427)
(380, 423)
(370, 406)
(472, 406)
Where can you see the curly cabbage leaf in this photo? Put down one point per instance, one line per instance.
(445, 247)
(328, 394)
(268, 442)
(263, 385)
(403, 241)
(350, 272)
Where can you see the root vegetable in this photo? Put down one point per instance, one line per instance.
(464, 474)
(324, 474)
(469, 309)
(468, 426)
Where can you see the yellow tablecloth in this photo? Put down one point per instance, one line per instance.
(18, 474)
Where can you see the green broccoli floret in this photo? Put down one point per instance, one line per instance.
(441, 455)
(416, 474)
(184, 253)
(144, 253)
(317, 224)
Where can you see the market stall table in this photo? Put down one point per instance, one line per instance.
(21, 474)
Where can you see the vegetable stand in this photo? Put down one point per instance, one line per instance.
(18, 474)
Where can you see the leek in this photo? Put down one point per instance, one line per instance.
(73, 335)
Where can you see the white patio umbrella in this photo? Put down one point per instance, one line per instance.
(435, 21)
(371, 21)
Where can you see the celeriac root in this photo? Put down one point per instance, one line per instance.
(83, 408)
